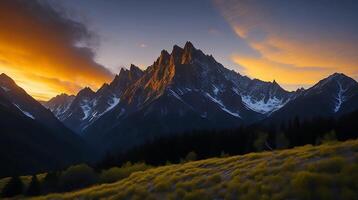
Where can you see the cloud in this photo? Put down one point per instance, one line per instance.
(45, 51)
(214, 31)
(290, 76)
(297, 42)
(143, 45)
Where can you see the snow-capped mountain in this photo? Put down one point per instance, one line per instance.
(27, 104)
(330, 97)
(32, 139)
(78, 112)
(59, 104)
(185, 90)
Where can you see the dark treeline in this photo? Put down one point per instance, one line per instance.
(73, 178)
(187, 147)
(212, 143)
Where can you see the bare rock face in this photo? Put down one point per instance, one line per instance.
(185, 90)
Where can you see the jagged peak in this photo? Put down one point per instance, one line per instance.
(122, 71)
(163, 58)
(85, 91)
(6, 79)
(135, 69)
(339, 76)
(188, 46)
(61, 96)
(336, 77)
(176, 50)
(105, 85)
(301, 89)
(164, 53)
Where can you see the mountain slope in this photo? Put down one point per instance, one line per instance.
(331, 97)
(59, 104)
(31, 138)
(185, 90)
(329, 171)
(87, 106)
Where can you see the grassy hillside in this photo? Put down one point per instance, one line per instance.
(329, 171)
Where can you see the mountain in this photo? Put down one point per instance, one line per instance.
(59, 104)
(331, 97)
(32, 139)
(185, 90)
(78, 112)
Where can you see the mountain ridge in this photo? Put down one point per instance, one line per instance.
(186, 89)
(32, 138)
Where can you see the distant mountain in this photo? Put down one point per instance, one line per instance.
(330, 97)
(78, 112)
(31, 138)
(59, 104)
(185, 90)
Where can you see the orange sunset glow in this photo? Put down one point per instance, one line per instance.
(48, 51)
(40, 56)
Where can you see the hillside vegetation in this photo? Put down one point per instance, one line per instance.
(329, 171)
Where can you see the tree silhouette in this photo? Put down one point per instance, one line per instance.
(13, 187)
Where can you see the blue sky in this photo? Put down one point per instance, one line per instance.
(70, 44)
(136, 31)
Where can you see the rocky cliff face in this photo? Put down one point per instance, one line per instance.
(185, 90)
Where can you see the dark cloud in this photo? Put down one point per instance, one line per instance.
(36, 38)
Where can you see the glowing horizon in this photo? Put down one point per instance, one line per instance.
(60, 47)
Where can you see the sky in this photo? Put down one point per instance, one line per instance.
(51, 47)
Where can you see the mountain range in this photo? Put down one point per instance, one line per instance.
(32, 139)
(181, 91)
(185, 90)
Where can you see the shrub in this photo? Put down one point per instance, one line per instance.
(13, 187)
(308, 185)
(214, 179)
(78, 176)
(117, 173)
(196, 195)
(330, 165)
(163, 185)
(34, 187)
(191, 156)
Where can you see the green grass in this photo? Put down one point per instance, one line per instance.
(25, 179)
(329, 171)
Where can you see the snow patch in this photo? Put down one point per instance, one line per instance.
(86, 110)
(340, 98)
(222, 106)
(260, 106)
(114, 101)
(5, 88)
(175, 95)
(215, 90)
(25, 112)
